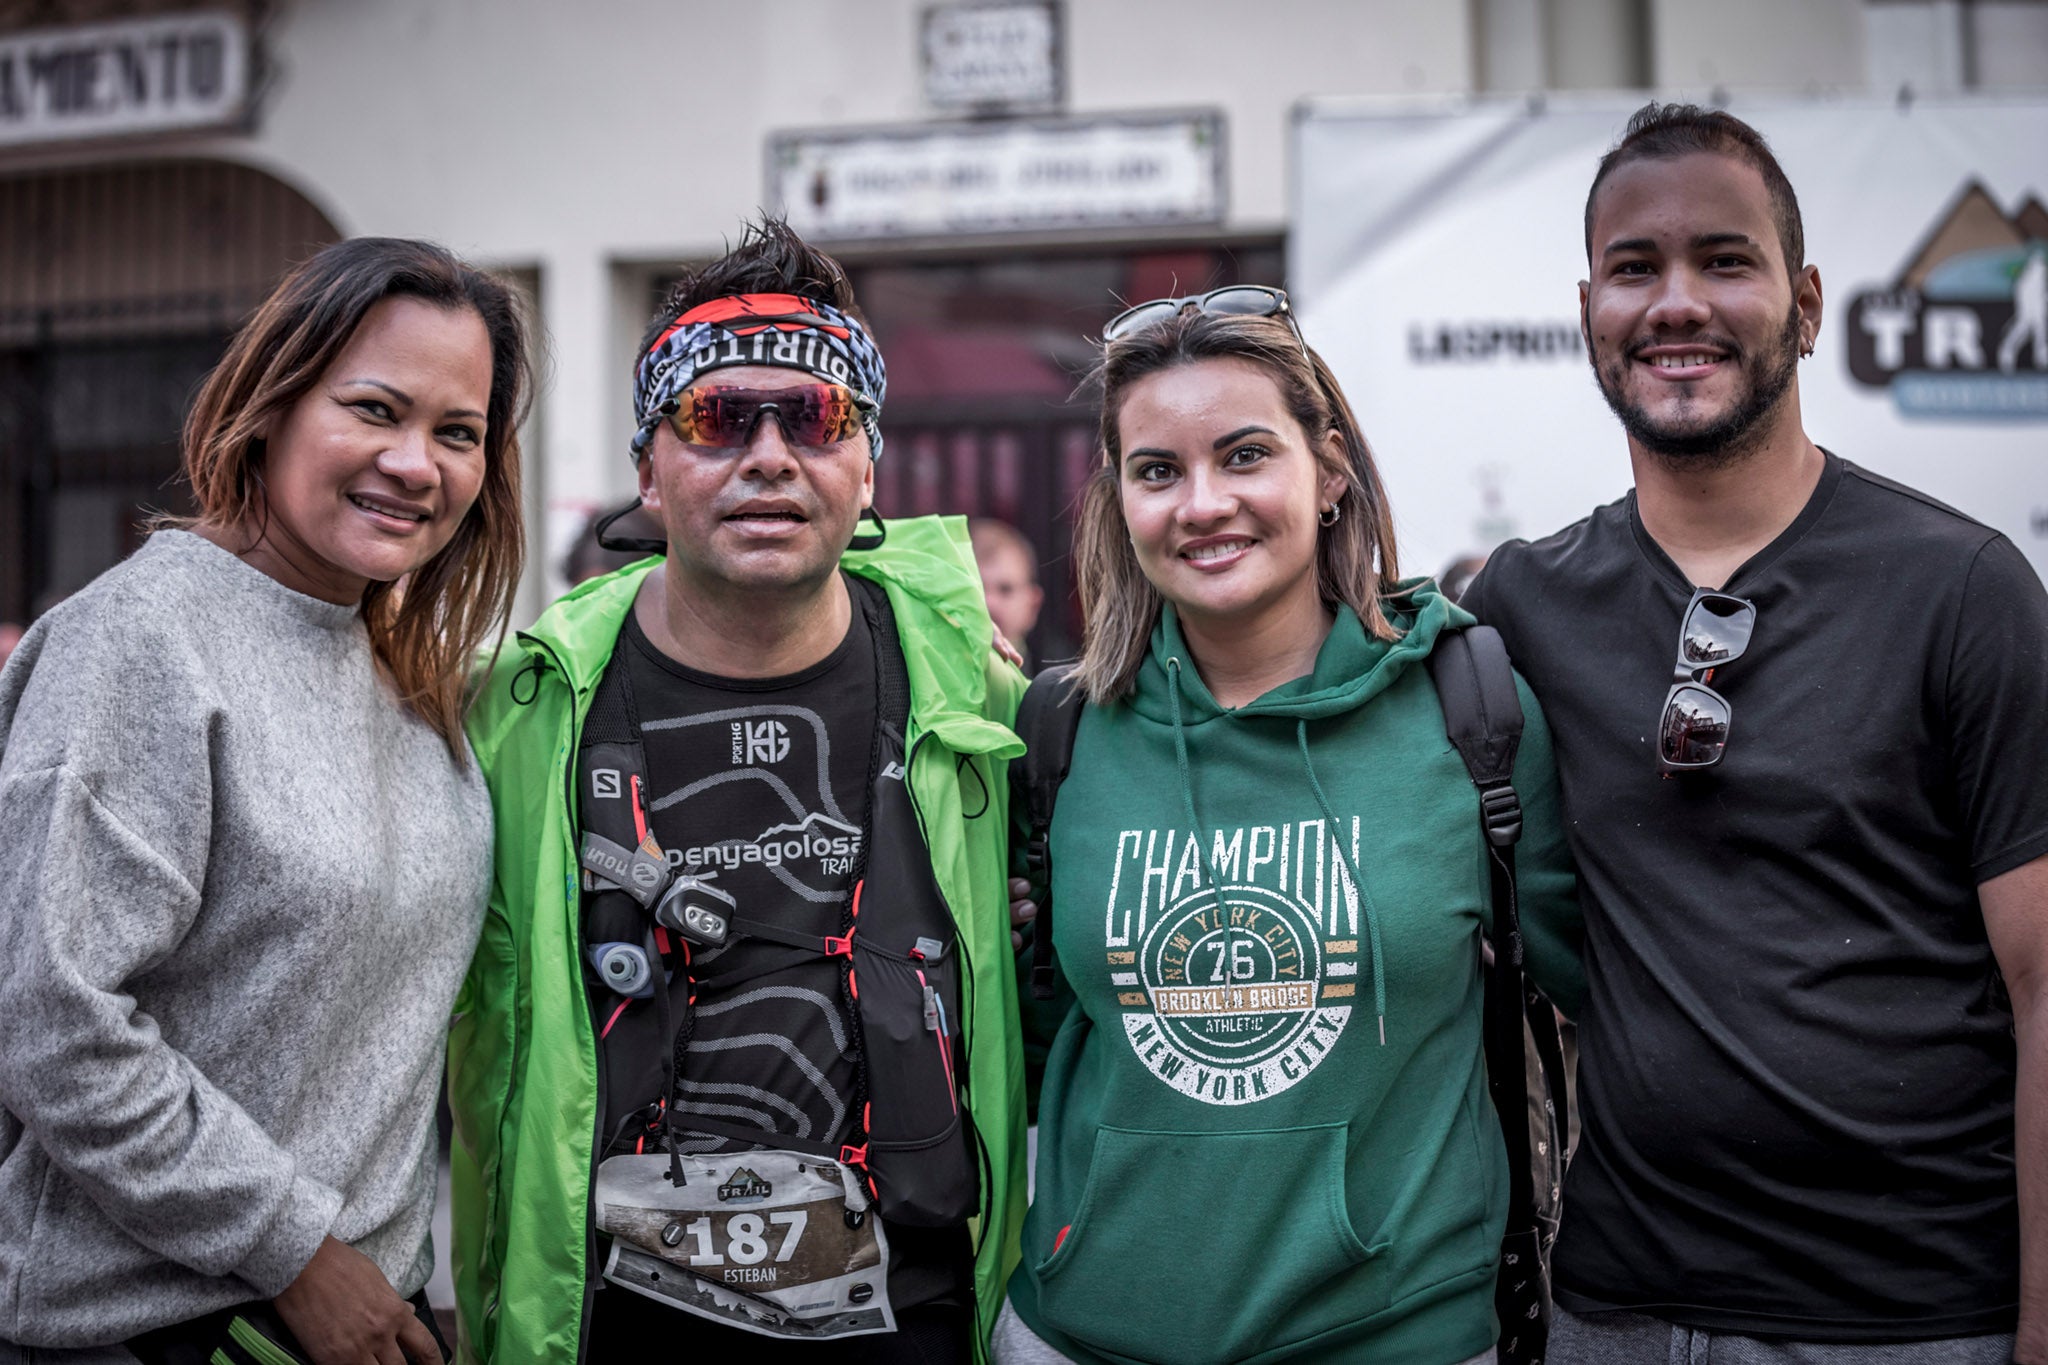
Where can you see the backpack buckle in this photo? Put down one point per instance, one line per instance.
(1500, 810)
(840, 947)
(1036, 855)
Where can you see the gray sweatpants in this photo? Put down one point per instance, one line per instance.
(1633, 1339)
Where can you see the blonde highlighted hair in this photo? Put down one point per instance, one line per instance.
(427, 633)
(1355, 561)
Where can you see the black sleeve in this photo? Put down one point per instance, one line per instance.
(1996, 703)
(1489, 595)
(1474, 599)
(1040, 1019)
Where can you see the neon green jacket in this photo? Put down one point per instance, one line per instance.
(522, 1055)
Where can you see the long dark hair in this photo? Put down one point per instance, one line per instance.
(1355, 562)
(426, 631)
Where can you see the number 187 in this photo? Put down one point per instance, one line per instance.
(746, 1240)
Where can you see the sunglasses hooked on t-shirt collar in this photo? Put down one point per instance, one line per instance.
(1692, 729)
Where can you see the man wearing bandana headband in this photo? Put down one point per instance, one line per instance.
(738, 1064)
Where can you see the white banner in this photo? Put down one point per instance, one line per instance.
(1001, 177)
(139, 76)
(1436, 253)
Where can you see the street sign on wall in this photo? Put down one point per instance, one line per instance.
(992, 56)
(175, 71)
(1027, 175)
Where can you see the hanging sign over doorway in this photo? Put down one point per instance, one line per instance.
(175, 71)
(992, 56)
(1029, 175)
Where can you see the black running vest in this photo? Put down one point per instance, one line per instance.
(898, 949)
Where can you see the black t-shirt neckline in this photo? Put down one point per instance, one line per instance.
(636, 635)
(1816, 507)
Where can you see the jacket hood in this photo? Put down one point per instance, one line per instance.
(581, 626)
(1351, 668)
(926, 567)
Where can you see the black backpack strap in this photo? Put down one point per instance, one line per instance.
(1047, 719)
(1483, 717)
(892, 701)
(611, 777)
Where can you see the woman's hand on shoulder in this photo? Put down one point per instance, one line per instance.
(344, 1312)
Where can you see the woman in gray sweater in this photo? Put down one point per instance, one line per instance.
(246, 850)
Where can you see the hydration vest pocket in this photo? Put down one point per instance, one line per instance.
(924, 1174)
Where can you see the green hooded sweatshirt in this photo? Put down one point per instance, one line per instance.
(1233, 1163)
(522, 1054)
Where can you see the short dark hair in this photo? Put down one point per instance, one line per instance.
(1658, 132)
(770, 259)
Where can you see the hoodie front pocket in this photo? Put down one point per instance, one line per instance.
(1200, 1247)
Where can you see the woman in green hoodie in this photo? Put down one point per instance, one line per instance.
(1264, 1130)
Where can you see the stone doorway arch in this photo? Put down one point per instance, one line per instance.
(119, 287)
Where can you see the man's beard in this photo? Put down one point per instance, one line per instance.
(1717, 442)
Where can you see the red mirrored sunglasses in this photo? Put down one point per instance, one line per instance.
(724, 416)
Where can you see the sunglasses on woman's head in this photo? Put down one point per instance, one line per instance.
(1234, 300)
(724, 415)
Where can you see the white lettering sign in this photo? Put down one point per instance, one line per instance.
(1005, 177)
(99, 80)
(991, 55)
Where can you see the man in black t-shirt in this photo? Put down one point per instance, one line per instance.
(1801, 717)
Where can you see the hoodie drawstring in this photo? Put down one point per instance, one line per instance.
(1180, 748)
(1372, 916)
(1187, 796)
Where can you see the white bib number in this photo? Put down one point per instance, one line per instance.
(774, 1242)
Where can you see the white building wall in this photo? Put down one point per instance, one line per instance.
(589, 142)
(1814, 46)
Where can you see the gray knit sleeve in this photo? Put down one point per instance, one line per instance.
(105, 816)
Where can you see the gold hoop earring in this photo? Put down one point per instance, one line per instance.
(1330, 515)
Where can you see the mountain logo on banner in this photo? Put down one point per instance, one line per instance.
(1963, 330)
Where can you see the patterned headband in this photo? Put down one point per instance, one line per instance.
(759, 329)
